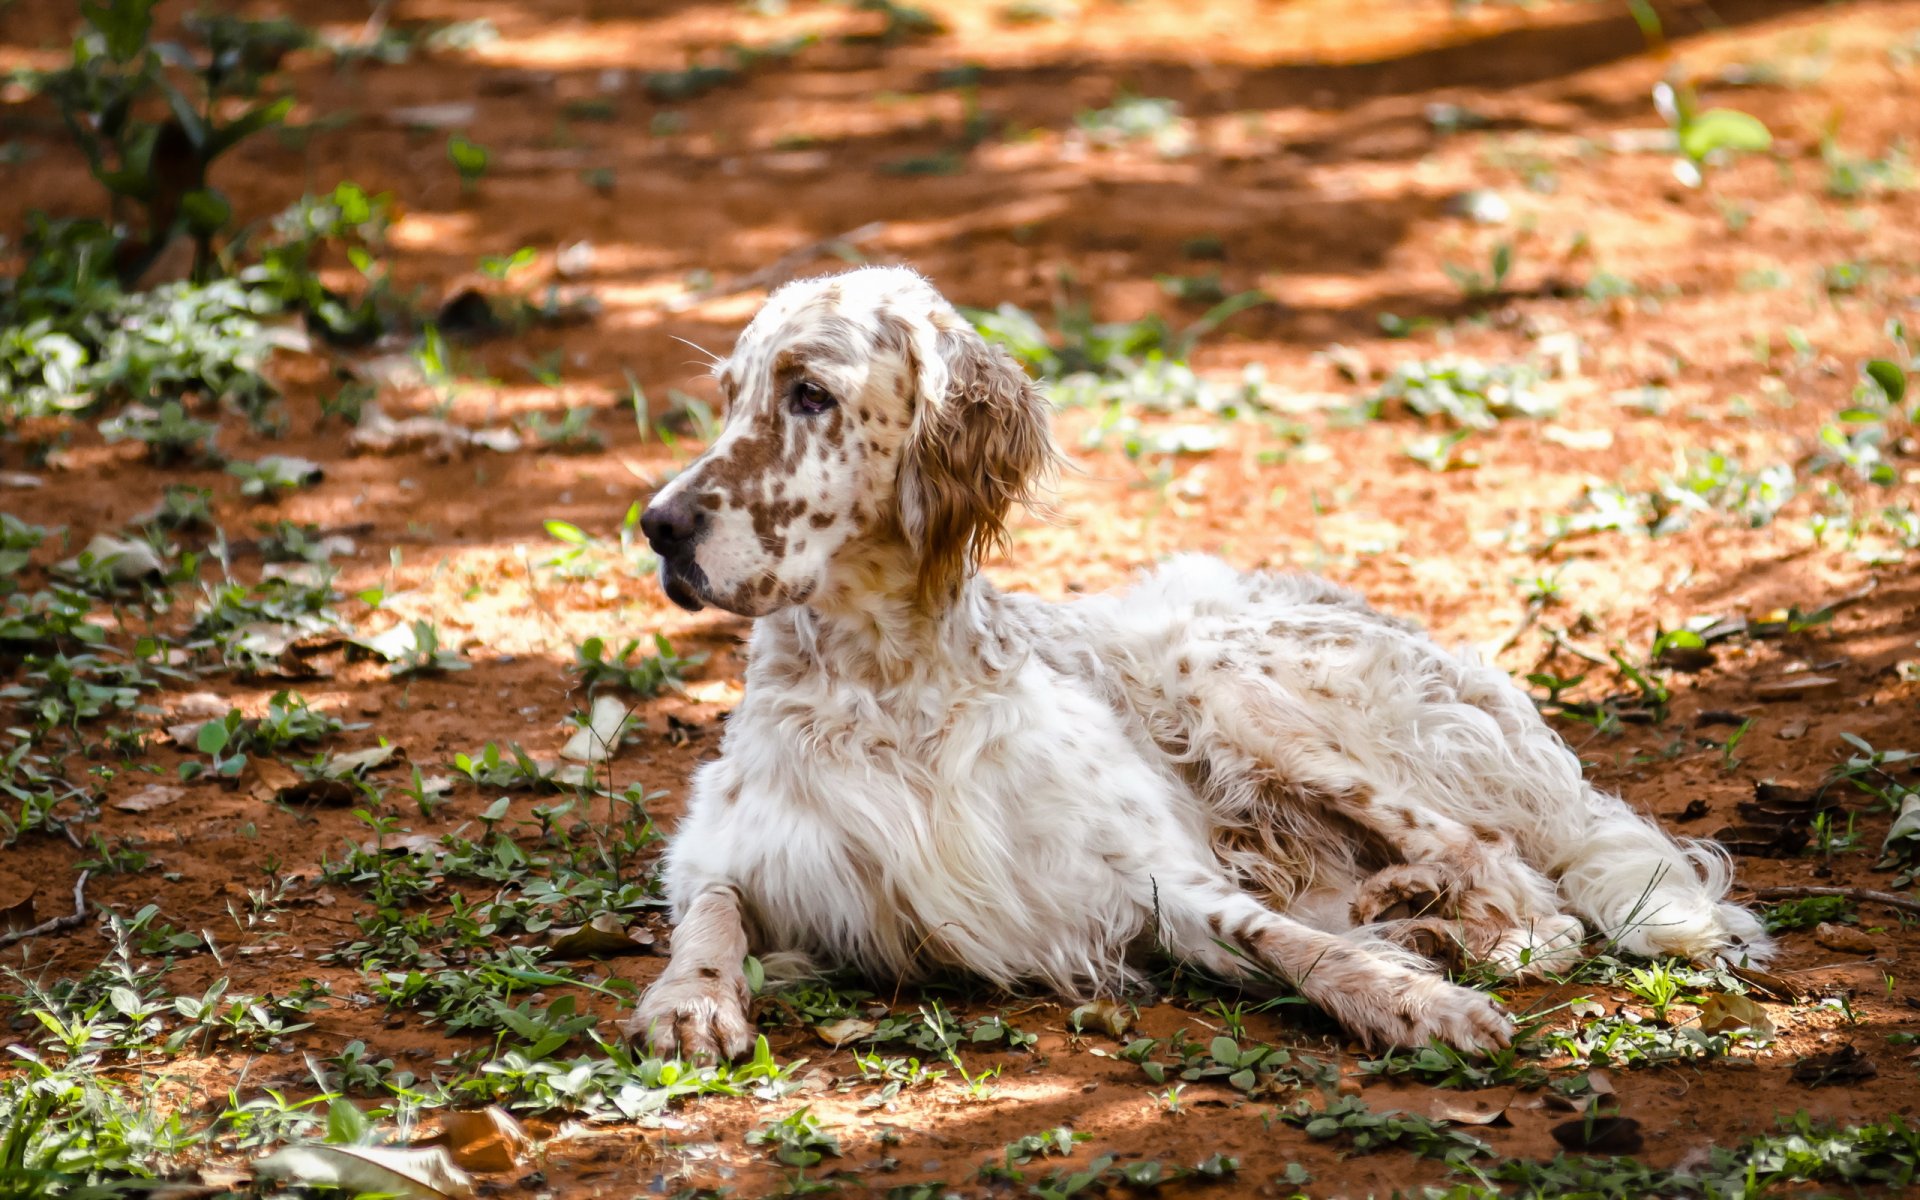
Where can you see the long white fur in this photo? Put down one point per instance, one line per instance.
(1212, 762)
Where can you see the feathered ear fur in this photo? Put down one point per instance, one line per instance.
(981, 441)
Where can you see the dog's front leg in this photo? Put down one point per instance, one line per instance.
(698, 1007)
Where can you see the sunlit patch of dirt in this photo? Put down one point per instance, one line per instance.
(1315, 166)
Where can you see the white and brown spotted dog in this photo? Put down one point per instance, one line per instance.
(1253, 772)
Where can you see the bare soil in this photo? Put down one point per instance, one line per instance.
(1315, 170)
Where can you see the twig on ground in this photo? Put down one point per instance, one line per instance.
(1859, 895)
(57, 924)
(1558, 639)
(1519, 630)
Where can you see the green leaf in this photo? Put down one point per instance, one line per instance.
(572, 535)
(206, 210)
(1723, 129)
(1890, 378)
(346, 1124)
(497, 811)
(469, 158)
(213, 737)
(1225, 1051)
(124, 24)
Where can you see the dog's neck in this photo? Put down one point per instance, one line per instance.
(869, 624)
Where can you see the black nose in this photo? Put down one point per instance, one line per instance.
(671, 528)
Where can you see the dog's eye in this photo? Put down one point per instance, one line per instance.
(809, 398)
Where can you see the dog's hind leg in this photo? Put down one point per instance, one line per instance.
(1508, 911)
(1381, 1001)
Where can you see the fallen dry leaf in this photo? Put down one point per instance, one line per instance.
(1792, 686)
(148, 798)
(601, 937)
(1845, 938)
(1107, 1016)
(1600, 1135)
(415, 1174)
(16, 917)
(600, 737)
(1774, 987)
(1477, 1109)
(1843, 1064)
(1726, 1012)
(487, 1141)
(847, 1029)
(127, 560)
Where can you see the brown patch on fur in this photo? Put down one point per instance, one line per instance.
(972, 454)
(820, 520)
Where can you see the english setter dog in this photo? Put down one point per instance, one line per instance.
(1255, 773)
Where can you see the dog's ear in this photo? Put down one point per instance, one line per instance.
(981, 441)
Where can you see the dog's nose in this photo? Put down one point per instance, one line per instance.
(671, 527)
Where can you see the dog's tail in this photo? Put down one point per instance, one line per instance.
(1651, 894)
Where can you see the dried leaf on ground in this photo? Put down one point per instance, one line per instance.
(601, 937)
(1106, 1016)
(1600, 1135)
(1476, 1109)
(1845, 1063)
(1727, 1012)
(128, 560)
(421, 1174)
(487, 1141)
(1794, 686)
(16, 917)
(847, 1029)
(148, 798)
(1847, 939)
(378, 433)
(600, 737)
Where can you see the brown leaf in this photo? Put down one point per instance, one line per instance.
(1725, 1012)
(1791, 687)
(489, 1140)
(1107, 1016)
(413, 1174)
(847, 1029)
(148, 798)
(1763, 841)
(1843, 1064)
(1845, 938)
(601, 937)
(1774, 987)
(1600, 1135)
(1477, 1109)
(16, 917)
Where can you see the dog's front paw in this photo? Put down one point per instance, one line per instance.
(1408, 1009)
(700, 1016)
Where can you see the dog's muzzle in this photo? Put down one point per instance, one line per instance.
(673, 529)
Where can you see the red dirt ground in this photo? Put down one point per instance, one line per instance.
(1316, 168)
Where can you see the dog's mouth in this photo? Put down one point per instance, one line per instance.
(684, 582)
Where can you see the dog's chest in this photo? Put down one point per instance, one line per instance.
(1011, 830)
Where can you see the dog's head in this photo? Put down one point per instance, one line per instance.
(863, 413)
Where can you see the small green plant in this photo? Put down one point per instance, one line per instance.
(1706, 137)
(209, 89)
(470, 159)
(171, 437)
(796, 1139)
(1477, 285)
(1789, 916)
(627, 669)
